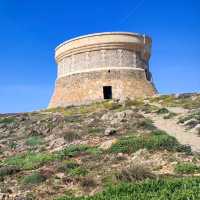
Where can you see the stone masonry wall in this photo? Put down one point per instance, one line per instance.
(84, 88)
(99, 59)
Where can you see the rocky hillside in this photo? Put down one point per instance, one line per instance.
(142, 149)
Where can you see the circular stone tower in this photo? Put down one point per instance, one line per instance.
(99, 66)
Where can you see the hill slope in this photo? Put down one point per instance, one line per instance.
(140, 146)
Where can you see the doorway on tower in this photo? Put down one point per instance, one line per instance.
(107, 92)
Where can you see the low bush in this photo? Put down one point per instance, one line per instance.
(67, 165)
(7, 120)
(154, 141)
(34, 141)
(71, 136)
(8, 170)
(88, 182)
(134, 173)
(74, 150)
(34, 179)
(162, 111)
(78, 171)
(186, 168)
(30, 160)
(176, 189)
(145, 124)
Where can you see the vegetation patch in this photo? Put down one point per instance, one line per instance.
(88, 182)
(71, 136)
(176, 189)
(29, 160)
(34, 141)
(7, 120)
(134, 173)
(145, 124)
(193, 119)
(162, 111)
(186, 168)
(67, 165)
(34, 179)
(8, 170)
(157, 140)
(78, 171)
(74, 150)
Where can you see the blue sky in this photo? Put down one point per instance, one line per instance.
(30, 31)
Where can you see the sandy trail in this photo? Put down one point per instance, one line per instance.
(172, 128)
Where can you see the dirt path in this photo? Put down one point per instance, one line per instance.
(176, 130)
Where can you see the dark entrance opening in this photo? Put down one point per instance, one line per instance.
(107, 92)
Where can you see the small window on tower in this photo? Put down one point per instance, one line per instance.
(107, 92)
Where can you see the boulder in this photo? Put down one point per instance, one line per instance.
(197, 129)
(191, 123)
(118, 117)
(107, 144)
(110, 131)
(57, 143)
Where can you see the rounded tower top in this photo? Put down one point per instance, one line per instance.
(105, 40)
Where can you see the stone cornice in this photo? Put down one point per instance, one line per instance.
(99, 41)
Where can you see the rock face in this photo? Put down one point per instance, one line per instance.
(102, 66)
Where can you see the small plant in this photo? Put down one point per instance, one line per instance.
(162, 111)
(74, 150)
(34, 141)
(66, 166)
(71, 136)
(78, 171)
(134, 173)
(13, 144)
(88, 182)
(8, 170)
(34, 179)
(146, 124)
(186, 168)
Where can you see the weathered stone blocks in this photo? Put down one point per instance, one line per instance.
(87, 64)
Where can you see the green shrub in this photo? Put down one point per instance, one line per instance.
(30, 160)
(145, 124)
(7, 120)
(74, 150)
(66, 166)
(71, 136)
(154, 141)
(34, 179)
(134, 173)
(186, 168)
(162, 111)
(8, 170)
(34, 141)
(176, 189)
(78, 171)
(88, 182)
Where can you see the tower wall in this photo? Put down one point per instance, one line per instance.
(86, 64)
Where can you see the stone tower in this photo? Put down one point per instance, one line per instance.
(111, 65)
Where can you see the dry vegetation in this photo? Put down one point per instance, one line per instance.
(66, 153)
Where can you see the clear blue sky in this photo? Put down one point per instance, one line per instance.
(31, 29)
